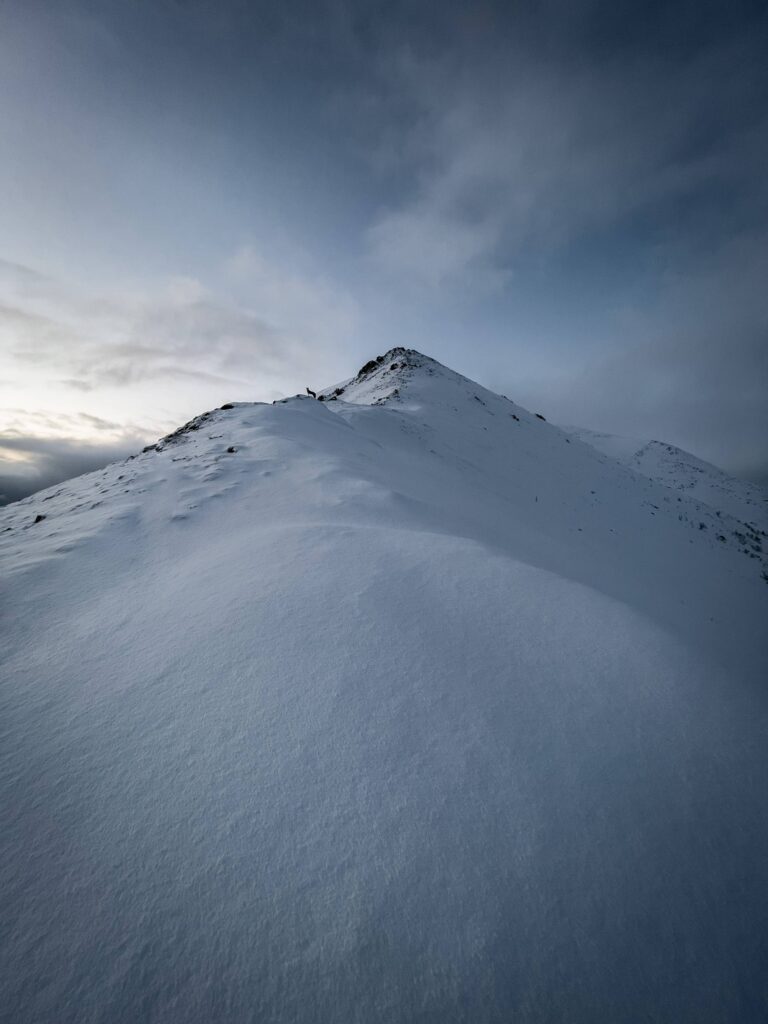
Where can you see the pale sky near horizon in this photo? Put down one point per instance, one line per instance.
(221, 201)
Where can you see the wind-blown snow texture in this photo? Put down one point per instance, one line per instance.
(402, 705)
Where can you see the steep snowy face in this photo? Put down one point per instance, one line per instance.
(409, 380)
(402, 704)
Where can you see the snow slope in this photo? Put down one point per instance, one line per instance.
(684, 472)
(402, 705)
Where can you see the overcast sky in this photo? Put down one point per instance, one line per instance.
(211, 201)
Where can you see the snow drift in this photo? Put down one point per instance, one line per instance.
(398, 705)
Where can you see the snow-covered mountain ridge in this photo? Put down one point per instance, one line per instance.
(402, 704)
(684, 472)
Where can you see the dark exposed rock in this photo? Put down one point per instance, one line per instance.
(540, 417)
(369, 366)
(231, 450)
(228, 405)
(178, 434)
(39, 517)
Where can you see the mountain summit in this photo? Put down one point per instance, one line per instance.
(396, 704)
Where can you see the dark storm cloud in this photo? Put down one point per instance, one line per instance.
(520, 150)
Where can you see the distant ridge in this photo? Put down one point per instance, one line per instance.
(686, 473)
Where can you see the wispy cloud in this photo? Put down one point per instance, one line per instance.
(106, 370)
(302, 302)
(178, 331)
(518, 157)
